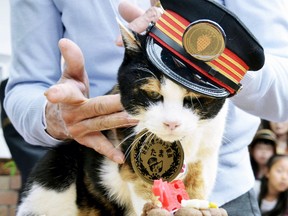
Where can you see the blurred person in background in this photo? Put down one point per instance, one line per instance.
(272, 191)
(281, 131)
(261, 149)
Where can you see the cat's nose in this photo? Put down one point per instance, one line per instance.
(171, 125)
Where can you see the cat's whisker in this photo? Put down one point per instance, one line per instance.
(147, 140)
(146, 70)
(197, 100)
(155, 131)
(139, 80)
(122, 140)
(125, 139)
(127, 152)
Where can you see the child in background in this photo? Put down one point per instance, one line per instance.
(281, 131)
(261, 149)
(272, 192)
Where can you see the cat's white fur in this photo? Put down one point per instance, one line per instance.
(45, 202)
(201, 141)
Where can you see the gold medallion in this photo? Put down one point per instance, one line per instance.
(204, 40)
(153, 158)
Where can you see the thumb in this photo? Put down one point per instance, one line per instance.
(73, 85)
(74, 60)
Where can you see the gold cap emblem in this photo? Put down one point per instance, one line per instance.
(153, 158)
(204, 40)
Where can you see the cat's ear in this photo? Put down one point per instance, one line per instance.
(129, 38)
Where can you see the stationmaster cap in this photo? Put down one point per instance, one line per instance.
(203, 46)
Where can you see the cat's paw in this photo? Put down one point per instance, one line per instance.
(187, 211)
(151, 209)
(197, 207)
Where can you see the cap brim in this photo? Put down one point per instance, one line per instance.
(179, 72)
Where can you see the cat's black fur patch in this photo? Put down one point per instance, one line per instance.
(73, 163)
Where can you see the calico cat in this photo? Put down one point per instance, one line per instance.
(75, 180)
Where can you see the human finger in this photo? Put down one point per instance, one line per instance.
(101, 123)
(65, 93)
(83, 109)
(74, 59)
(102, 105)
(74, 65)
(155, 3)
(102, 145)
(141, 23)
(129, 11)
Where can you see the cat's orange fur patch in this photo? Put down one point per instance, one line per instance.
(85, 209)
(88, 212)
(194, 182)
(142, 188)
(152, 85)
(196, 95)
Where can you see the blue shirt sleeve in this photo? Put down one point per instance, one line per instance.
(35, 28)
(264, 92)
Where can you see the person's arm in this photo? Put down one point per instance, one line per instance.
(264, 92)
(36, 29)
(36, 66)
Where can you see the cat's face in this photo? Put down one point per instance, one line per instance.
(162, 106)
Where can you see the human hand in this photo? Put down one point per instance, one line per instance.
(138, 19)
(70, 114)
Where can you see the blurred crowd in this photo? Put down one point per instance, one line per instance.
(269, 160)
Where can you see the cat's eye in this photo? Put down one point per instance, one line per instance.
(154, 95)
